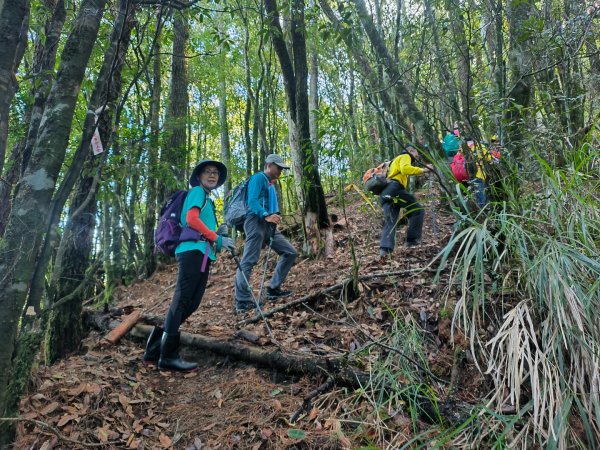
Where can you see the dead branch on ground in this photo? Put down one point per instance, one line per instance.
(313, 296)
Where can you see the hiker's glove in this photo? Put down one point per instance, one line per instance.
(223, 230)
(227, 243)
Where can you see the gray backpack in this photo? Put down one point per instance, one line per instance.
(235, 206)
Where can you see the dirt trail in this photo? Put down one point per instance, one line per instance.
(105, 395)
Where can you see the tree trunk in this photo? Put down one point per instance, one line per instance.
(13, 28)
(313, 104)
(447, 87)
(403, 94)
(134, 200)
(153, 148)
(515, 117)
(27, 223)
(462, 54)
(250, 143)
(115, 271)
(224, 129)
(106, 249)
(64, 329)
(43, 65)
(177, 111)
(295, 75)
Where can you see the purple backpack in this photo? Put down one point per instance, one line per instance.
(169, 232)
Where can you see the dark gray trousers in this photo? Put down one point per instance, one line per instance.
(393, 198)
(258, 234)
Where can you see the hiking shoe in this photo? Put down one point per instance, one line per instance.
(412, 243)
(242, 307)
(274, 293)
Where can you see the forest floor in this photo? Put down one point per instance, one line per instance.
(105, 395)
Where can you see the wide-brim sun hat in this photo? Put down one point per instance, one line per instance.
(208, 162)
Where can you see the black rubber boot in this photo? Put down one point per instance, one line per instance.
(152, 352)
(169, 355)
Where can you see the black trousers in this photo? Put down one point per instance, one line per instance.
(190, 287)
(393, 198)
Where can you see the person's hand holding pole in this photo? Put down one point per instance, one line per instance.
(226, 242)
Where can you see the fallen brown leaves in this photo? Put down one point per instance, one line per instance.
(107, 397)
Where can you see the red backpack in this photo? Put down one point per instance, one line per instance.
(459, 168)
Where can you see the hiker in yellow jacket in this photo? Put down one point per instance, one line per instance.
(395, 196)
(482, 157)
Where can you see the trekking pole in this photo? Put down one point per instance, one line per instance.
(256, 301)
(433, 221)
(225, 232)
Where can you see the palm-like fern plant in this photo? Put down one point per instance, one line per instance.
(531, 274)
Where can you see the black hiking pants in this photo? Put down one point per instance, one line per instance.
(190, 287)
(393, 198)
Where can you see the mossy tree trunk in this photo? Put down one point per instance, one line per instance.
(65, 329)
(31, 211)
(295, 74)
(14, 20)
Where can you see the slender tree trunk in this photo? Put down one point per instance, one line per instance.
(153, 149)
(313, 102)
(447, 87)
(247, 138)
(593, 51)
(116, 270)
(295, 76)
(519, 96)
(13, 27)
(106, 247)
(177, 111)
(134, 200)
(224, 129)
(461, 45)
(30, 214)
(351, 115)
(403, 94)
(248, 141)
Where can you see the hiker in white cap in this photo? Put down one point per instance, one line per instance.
(260, 230)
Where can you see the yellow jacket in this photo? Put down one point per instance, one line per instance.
(481, 158)
(401, 168)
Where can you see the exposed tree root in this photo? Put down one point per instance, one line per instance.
(313, 296)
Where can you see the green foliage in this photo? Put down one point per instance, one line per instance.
(530, 272)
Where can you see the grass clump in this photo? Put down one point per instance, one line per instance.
(529, 271)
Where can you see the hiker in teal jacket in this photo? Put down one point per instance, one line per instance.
(260, 230)
(194, 254)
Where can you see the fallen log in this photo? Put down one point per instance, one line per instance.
(314, 295)
(126, 324)
(285, 362)
(338, 369)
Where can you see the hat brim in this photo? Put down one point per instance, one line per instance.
(283, 166)
(194, 181)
